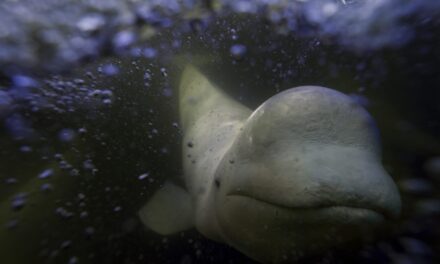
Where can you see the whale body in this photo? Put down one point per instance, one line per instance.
(300, 174)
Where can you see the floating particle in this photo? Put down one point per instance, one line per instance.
(198, 25)
(149, 53)
(64, 165)
(18, 201)
(81, 196)
(416, 186)
(82, 131)
(83, 214)
(106, 92)
(78, 81)
(167, 92)
(63, 213)
(11, 224)
(110, 69)
(432, 166)
(18, 126)
(429, 206)
(143, 176)
(415, 246)
(66, 244)
(88, 165)
(66, 135)
(238, 51)
(73, 260)
(11, 180)
(91, 23)
(24, 81)
(90, 75)
(89, 231)
(45, 174)
(135, 52)
(94, 93)
(5, 102)
(58, 156)
(46, 187)
(164, 72)
(360, 99)
(130, 225)
(25, 149)
(117, 208)
(147, 76)
(124, 39)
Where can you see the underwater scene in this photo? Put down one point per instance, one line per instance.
(219, 131)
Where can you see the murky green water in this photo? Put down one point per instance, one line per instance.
(83, 149)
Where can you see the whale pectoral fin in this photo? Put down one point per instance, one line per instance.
(169, 211)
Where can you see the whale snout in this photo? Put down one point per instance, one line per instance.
(320, 177)
(306, 176)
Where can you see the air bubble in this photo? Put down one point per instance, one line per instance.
(110, 69)
(19, 201)
(63, 213)
(45, 174)
(143, 176)
(123, 39)
(66, 135)
(46, 187)
(11, 181)
(91, 23)
(164, 72)
(238, 51)
(149, 53)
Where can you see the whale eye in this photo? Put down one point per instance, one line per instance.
(217, 183)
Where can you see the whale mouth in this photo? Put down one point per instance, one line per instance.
(328, 213)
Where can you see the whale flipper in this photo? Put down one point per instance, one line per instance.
(169, 211)
(210, 119)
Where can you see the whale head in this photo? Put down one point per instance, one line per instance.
(303, 174)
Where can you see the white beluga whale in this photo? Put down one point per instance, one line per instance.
(300, 174)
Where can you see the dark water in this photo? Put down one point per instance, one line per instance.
(83, 149)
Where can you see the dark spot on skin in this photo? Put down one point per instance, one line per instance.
(190, 144)
(217, 183)
(232, 161)
(193, 161)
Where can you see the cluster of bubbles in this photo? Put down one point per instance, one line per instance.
(53, 34)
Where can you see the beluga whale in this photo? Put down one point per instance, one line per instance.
(300, 174)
